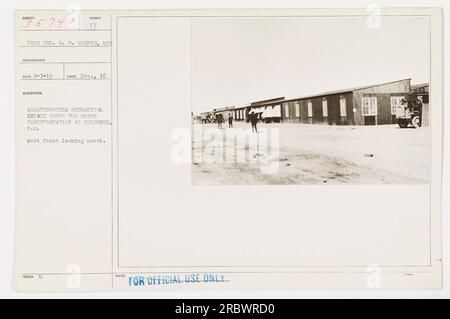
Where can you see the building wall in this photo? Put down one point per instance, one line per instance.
(303, 112)
(333, 105)
(383, 94)
(353, 100)
(291, 117)
(334, 109)
(349, 119)
(317, 116)
(239, 114)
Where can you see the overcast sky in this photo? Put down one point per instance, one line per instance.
(236, 61)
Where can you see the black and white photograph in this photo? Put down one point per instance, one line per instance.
(311, 100)
(239, 152)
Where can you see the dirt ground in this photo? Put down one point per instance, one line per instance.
(313, 154)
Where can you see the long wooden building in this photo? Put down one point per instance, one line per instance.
(365, 105)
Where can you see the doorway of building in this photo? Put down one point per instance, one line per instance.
(369, 120)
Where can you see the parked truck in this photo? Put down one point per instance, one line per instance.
(410, 112)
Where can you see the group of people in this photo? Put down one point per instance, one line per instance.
(219, 120)
(252, 117)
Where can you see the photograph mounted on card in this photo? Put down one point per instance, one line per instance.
(228, 149)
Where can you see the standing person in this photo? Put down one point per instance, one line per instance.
(219, 119)
(230, 120)
(254, 121)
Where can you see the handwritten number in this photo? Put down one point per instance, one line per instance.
(28, 23)
(61, 22)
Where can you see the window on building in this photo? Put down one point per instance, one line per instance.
(286, 110)
(310, 112)
(325, 108)
(369, 105)
(396, 102)
(297, 109)
(343, 106)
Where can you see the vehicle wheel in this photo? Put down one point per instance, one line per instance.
(416, 121)
(403, 123)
